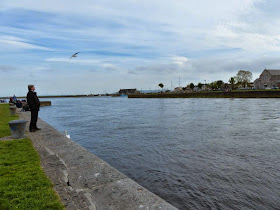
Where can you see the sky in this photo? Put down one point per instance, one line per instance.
(133, 44)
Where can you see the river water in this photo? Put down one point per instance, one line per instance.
(194, 153)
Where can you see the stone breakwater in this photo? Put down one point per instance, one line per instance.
(212, 94)
(46, 103)
(84, 181)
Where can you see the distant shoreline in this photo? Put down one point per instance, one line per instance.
(213, 94)
(202, 94)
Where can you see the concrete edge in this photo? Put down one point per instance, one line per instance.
(83, 180)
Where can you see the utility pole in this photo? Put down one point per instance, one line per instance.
(179, 81)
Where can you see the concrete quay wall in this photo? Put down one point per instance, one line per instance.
(84, 181)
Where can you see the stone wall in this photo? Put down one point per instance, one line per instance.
(84, 181)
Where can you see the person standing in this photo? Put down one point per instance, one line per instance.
(34, 106)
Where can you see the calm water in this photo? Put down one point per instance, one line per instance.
(194, 153)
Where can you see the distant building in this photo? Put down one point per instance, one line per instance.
(196, 89)
(269, 78)
(128, 91)
(204, 87)
(182, 89)
(178, 90)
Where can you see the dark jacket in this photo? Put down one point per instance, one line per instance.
(33, 101)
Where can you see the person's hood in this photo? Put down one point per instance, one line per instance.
(33, 92)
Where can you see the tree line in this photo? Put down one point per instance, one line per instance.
(242, 79)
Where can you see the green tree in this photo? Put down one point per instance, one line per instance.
(219, 83)
(213, 86)
(232, 82)
(244, 77)
(199, 85)
(161, 86)
(192, 86)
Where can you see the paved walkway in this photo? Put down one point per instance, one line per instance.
(84, 181)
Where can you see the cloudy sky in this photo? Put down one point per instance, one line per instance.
(133, 44)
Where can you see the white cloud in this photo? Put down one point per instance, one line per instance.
(93, 65)
(180, 60)
(239, 35)
(17, 43)
(143, 42)
(72, 60)
(161, 25)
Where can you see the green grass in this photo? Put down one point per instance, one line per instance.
(23, 184)
(5, 117)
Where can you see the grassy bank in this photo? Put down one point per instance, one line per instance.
(5, 117)
(212, 94)
(23, 184)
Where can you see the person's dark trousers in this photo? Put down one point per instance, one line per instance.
(34, 118)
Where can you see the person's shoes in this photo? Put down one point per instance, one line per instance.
(37, 129)
(33, 130)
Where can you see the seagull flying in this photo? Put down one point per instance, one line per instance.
(74, 55)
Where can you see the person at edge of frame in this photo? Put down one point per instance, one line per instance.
(34, 105)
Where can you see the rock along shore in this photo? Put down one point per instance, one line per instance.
(84, 181)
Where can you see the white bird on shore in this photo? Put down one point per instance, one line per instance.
(67, 135)
(74, 55)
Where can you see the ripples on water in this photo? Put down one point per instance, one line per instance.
(194, 153)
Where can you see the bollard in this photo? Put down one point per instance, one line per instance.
(17, 128)
(13, 110)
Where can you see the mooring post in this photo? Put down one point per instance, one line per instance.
(13, 110)
(17, 128)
